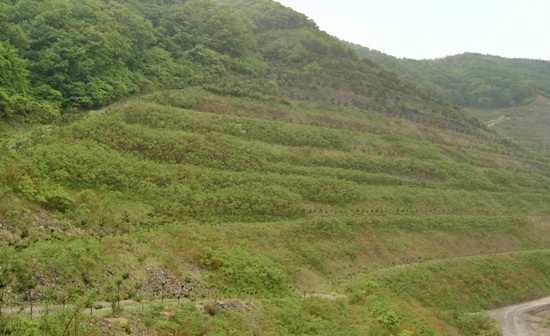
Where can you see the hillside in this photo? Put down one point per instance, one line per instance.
(287, 187)
(60, 56)
(528, 125)
(239, 199)
(472, 80)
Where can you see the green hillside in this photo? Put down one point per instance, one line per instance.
(511, 92)
(528, 125)
(275, 184)
(59, 56)
(472, 80)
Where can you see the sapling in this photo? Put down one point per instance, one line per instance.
(6, 277)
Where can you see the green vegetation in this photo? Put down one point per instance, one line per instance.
(526, 125)
(212, 194)
(59, 56)
(472, 80)
(509, 95)
(274, 184)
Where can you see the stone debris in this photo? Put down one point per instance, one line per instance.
(233, 305)
(117, 326)
(322, 296)
(162, 284)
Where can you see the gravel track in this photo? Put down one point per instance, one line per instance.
(526, 319)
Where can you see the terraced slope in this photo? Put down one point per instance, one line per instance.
(211, 197)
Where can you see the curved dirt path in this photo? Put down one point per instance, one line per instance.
(523, 319)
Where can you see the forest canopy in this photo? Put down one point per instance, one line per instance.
(63, 54)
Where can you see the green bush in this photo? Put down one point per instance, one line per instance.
(243, 272)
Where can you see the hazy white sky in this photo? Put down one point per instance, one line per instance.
(436, 28)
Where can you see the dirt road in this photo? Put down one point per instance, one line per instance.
(526, 319)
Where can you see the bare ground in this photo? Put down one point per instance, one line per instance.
(526, 319)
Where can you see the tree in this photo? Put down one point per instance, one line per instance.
(26, 282)
(116, 291)
(14, 84)
(6, 277)
(81, 50)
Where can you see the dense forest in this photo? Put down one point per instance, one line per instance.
(202, 167)
(472, 80)
(58, 55)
